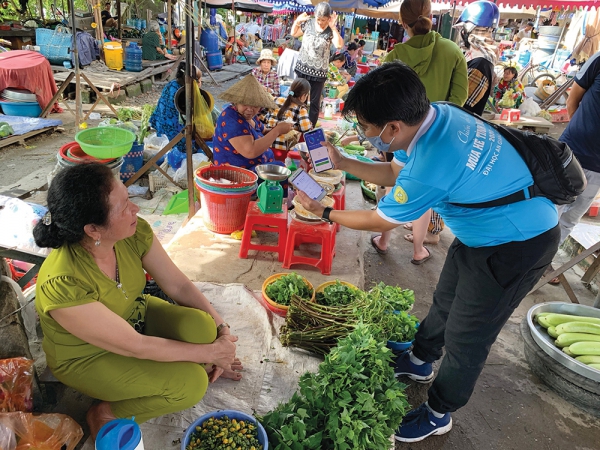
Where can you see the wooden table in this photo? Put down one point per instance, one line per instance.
(537, 124)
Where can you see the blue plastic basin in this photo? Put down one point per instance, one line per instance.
(237, 415)
(26, 109)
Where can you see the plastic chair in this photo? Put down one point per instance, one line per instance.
(272, 223)
(305, 233)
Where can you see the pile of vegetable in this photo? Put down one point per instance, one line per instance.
(398, 327)
(6, 130)
(125, 114)
(317, 327)
(352, 402)
(224, 434)
(399, 299)
(577, 336)
(283, 288)
(507, 100)
(338, 294)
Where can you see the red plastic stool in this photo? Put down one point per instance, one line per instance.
(272, 223)
(339, 197)
(305, 233)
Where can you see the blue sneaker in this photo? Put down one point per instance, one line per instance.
(421, 423)
(421, 374)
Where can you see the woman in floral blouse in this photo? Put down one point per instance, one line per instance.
(292, 109)
(318, 35)
(239, 135)
(509, 82)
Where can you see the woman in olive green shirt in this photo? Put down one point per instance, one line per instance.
(140, 355)
(152, 44)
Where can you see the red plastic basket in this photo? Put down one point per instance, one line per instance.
(238, 176)
(224, 213)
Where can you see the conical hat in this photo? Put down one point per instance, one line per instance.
(248, 91)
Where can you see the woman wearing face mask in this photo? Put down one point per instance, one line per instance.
(239, 135)
(442, 68)
(318, 35)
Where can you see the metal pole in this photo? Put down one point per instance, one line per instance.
(78, 111)
(189, 125)
(119, 30)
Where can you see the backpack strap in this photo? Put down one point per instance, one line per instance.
(519, 196)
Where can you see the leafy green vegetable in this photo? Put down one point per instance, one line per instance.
(398, 327)
(338, 294)
(125, 114)
(398, 298)
(352, 402)
(283, 288)
(147, 111)
(317, 327)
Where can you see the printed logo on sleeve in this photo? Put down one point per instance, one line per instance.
(400, 195)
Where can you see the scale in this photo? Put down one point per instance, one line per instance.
(270, 193)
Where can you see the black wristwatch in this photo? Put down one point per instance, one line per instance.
(326, 213)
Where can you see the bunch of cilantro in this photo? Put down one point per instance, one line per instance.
(283, 288)
(352, 402)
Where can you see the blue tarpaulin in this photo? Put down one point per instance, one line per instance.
(23, 125)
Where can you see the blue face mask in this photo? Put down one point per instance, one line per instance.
(378, 143)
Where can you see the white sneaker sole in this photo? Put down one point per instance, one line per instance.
(417, 378)
(437, 431)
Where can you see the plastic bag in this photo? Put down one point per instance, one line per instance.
(181, 173)
(16, 384)
(152, 145)
(530, 107)
(202, 115)
(174, 158)
(42, 432)
(7, 438)
(17, 219)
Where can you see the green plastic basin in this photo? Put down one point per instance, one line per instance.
(105, 142)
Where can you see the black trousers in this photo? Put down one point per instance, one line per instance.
(316, 90)
(477, 292)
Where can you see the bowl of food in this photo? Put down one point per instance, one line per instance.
(332, 176)
(306, 214)
(239, 429)
(278, 289)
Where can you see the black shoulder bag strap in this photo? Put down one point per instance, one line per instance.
(515, 197)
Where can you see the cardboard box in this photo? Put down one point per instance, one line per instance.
(510, 115)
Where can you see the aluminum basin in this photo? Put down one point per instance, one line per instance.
(546, 342)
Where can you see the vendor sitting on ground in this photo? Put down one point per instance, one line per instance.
(165, 118)
(335, 78)
(509, 82)
(239, 139)
(361, 46)
(141, 356)
(153, 47)
(258, 43)
(264, 74)
(293, 109)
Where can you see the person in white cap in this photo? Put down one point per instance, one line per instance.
(267, 77)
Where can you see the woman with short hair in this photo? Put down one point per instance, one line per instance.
(313, 61)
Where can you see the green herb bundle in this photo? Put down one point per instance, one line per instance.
(398, 327)
(147, 111)
(283, 288)
(399, 299)
(125, 114)
(352, 402)
(338, 294)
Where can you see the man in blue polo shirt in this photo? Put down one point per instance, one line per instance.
(499, 253)
(583, 136)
